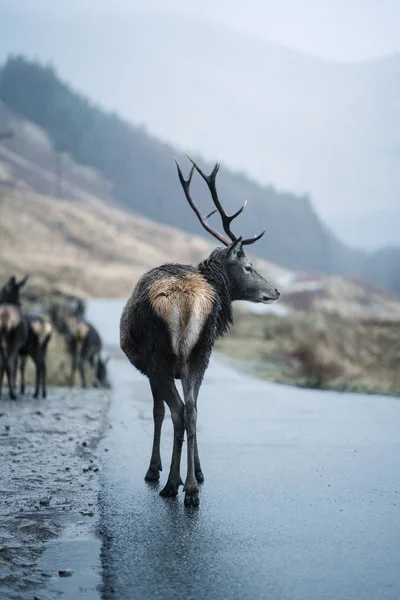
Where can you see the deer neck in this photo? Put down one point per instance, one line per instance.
(213, 271)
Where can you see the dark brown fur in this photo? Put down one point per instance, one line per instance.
(168, 329)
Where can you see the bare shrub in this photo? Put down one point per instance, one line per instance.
(316, 364)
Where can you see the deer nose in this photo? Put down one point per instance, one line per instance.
(277, 292)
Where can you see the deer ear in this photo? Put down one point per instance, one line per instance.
(236, 248)
(23, 281)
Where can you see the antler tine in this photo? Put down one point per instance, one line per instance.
(253, 239)
(210, 180)
(186, 185)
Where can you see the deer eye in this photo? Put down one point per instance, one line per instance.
(248, 268)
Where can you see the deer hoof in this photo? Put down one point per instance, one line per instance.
(153, 474)
(170, 490)
(13, 396)
(199, 476)
(36, 395)
(192, 499)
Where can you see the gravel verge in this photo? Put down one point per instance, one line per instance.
(49, 484)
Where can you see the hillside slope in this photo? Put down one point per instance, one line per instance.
(81, 244)
(304, 123)
(143, 177)
(136, 172)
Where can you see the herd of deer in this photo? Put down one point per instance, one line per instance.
(167, 331)
(24, 335)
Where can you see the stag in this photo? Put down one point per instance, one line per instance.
(170, 323)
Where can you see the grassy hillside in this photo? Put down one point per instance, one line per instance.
(142, 175)
(300, 121)
(86, 247)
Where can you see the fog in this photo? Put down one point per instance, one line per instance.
(275, 90)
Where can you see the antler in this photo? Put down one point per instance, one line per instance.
(186, 185)
(226, 219)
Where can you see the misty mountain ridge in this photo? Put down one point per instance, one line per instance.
(141, 176)
(326, 129)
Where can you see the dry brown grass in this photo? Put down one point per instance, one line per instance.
(87, 247)
(319, 349)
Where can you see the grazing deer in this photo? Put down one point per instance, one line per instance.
(13, 332)
(170, 323)
(83, 344)
(37, 340)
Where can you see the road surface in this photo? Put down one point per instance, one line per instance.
(301, 499)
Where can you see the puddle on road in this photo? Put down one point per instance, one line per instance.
(82, 557)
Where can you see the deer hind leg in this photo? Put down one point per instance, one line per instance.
(38, 376)
(74, 364)
(2, 369)
(9, 367)
(197, 466)
(22, 373)
(191, 385)
(153, 473)
(44, 375)
(166, 389)
(82, 371)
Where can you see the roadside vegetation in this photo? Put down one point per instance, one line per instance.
(318, 350)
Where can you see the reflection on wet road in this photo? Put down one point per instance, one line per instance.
(301, 498)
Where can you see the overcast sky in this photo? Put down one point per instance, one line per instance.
(347, 30)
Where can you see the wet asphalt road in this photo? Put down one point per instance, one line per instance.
(301, 498)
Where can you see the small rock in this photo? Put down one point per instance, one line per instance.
(44, 501)
(7, 427)
(65, 573)
(67, 468)
(84, 444)
(87, 513)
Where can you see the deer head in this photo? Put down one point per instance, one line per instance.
(10, 292)
(244, 281)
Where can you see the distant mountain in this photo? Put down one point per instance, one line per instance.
(137, 171)
(143, 176)
(368, 231)
(312, 125)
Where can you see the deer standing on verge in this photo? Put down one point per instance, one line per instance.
(37, 340)
(84, 345)
(13, 332)
(39, 334)
(170, 323)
